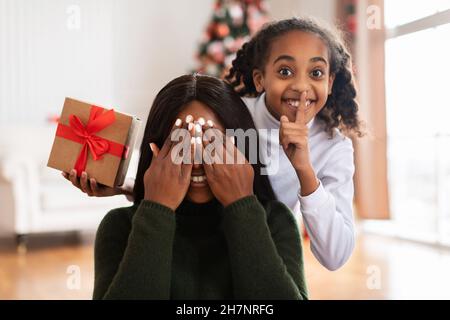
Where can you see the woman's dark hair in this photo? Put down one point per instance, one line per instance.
(221, 98)
(341, 108)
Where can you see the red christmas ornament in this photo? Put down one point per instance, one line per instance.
(222, 30)
(351, 24)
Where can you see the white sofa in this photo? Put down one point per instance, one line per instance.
(37, 199)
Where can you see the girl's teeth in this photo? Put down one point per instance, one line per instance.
(296, 103)
(198, 178)
(293, 103)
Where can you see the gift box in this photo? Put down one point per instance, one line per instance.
(94, 139)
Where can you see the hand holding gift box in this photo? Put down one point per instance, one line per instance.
(92, 139)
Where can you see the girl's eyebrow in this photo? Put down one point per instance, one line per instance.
(292, 59)
(284, 57)
(316, 59)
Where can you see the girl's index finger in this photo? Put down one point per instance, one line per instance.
(300, 116)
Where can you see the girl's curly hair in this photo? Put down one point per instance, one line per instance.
(341, 108)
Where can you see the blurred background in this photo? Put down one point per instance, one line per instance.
(119, 53)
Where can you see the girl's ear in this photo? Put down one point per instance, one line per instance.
(258, 80)
(330, 83)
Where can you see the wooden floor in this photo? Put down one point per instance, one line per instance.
(380, 268)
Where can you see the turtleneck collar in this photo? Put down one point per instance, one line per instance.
(199, 218)
(189, 208)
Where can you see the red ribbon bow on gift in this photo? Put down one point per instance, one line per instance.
(84, 134)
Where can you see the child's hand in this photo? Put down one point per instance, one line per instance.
(167, 182)
(228, 182)
(294, 137)
(91, 187)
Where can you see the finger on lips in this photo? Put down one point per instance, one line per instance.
(284, 119)
(300, 116)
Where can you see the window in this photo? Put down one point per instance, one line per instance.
(418, 117)
(399, 12)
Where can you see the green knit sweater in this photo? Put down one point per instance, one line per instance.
(201, 251)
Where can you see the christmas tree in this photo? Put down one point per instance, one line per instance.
(232, 24)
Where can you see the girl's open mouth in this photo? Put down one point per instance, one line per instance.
(295, 103)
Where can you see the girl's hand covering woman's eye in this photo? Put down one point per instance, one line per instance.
(228, 182)
(166, 181)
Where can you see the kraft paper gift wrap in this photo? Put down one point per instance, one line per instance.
(94, 139)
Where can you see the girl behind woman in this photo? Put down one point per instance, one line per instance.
(296, 75)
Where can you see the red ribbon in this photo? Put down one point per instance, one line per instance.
(84, 134)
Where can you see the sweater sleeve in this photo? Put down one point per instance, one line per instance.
(327, 212)
(265, 254)
(136, 263)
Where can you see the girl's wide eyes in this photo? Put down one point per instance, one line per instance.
(317, 73)
(285, 72)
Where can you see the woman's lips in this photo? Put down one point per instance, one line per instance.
(199, 181)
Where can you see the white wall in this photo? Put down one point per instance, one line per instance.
(113, 52)
(321, 9)
(154, 42)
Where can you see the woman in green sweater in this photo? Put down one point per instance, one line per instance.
(204, 230)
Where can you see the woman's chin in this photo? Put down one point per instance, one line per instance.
(199, 195)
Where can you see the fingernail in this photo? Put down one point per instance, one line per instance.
(198, 140)
(73, 172)
(201, 121)
(178, 122)
(198, 128)
(93, 181)
(190, 126)
(192, 140)
(189, 118)
(210, 123)
(84, 174)
(233, 140)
